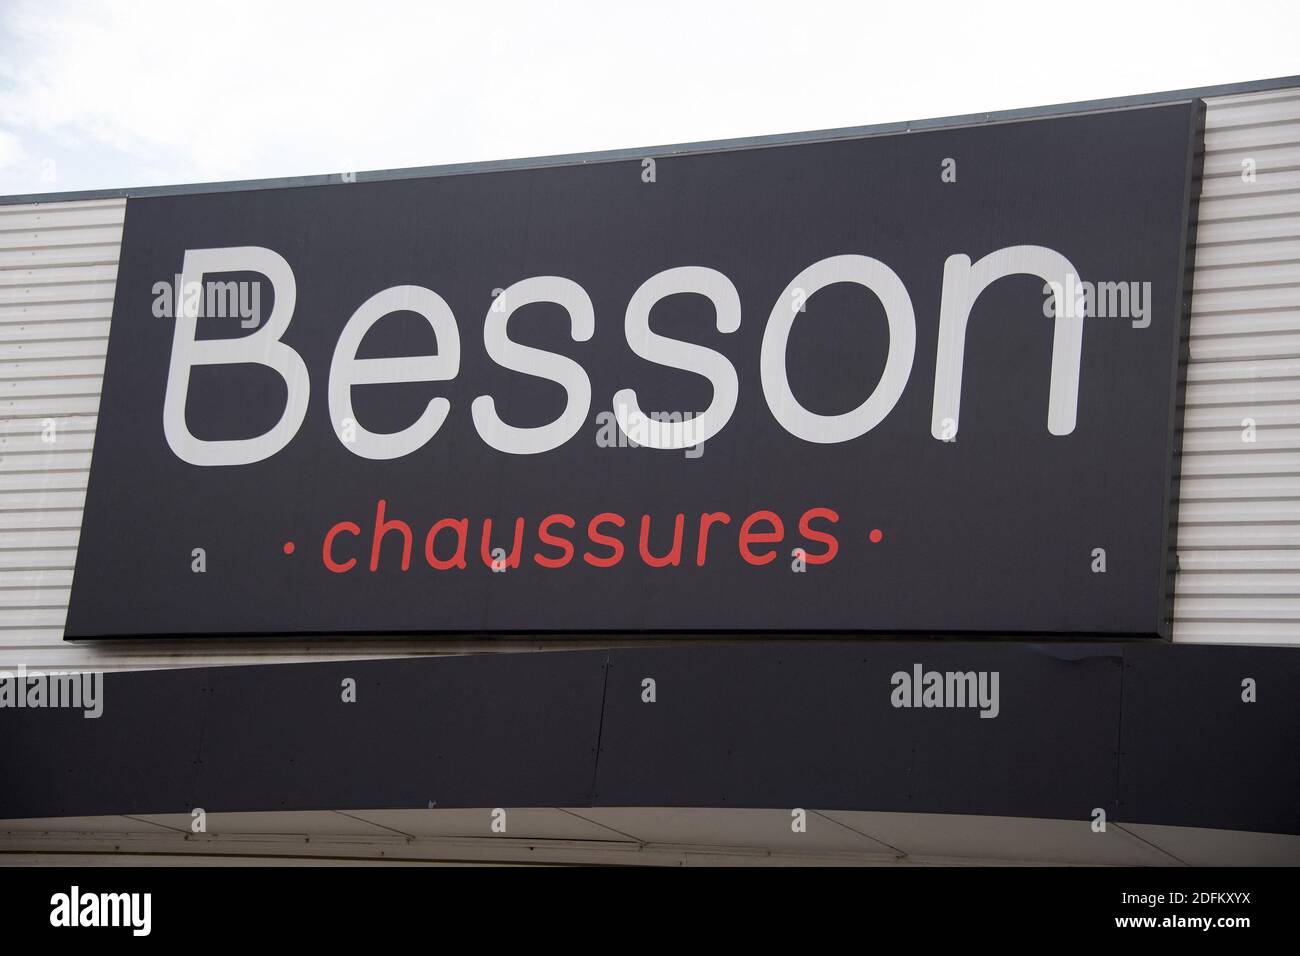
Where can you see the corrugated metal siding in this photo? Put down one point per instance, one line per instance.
(58, 266)
(1239, 517)
(1239, 511)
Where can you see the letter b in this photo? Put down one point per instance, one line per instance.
(262, 347)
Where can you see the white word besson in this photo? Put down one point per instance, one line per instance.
(963, 282)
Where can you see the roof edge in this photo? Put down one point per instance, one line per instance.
(613, 155)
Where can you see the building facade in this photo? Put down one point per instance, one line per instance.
(1236, 597)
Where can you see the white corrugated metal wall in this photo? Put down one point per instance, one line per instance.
(1239, 518)
(1239, 514)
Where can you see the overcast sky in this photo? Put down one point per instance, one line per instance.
(146, 92)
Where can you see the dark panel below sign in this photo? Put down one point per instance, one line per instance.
(803, 724)
(812, 507)
(757, 728)
(1246, 761)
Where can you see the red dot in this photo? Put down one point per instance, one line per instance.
(288, 547)
(876, 535)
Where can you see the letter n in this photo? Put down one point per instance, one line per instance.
(962, 285)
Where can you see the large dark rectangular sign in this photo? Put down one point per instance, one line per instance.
(923, 382)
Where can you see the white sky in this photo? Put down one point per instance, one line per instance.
(115, 94)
